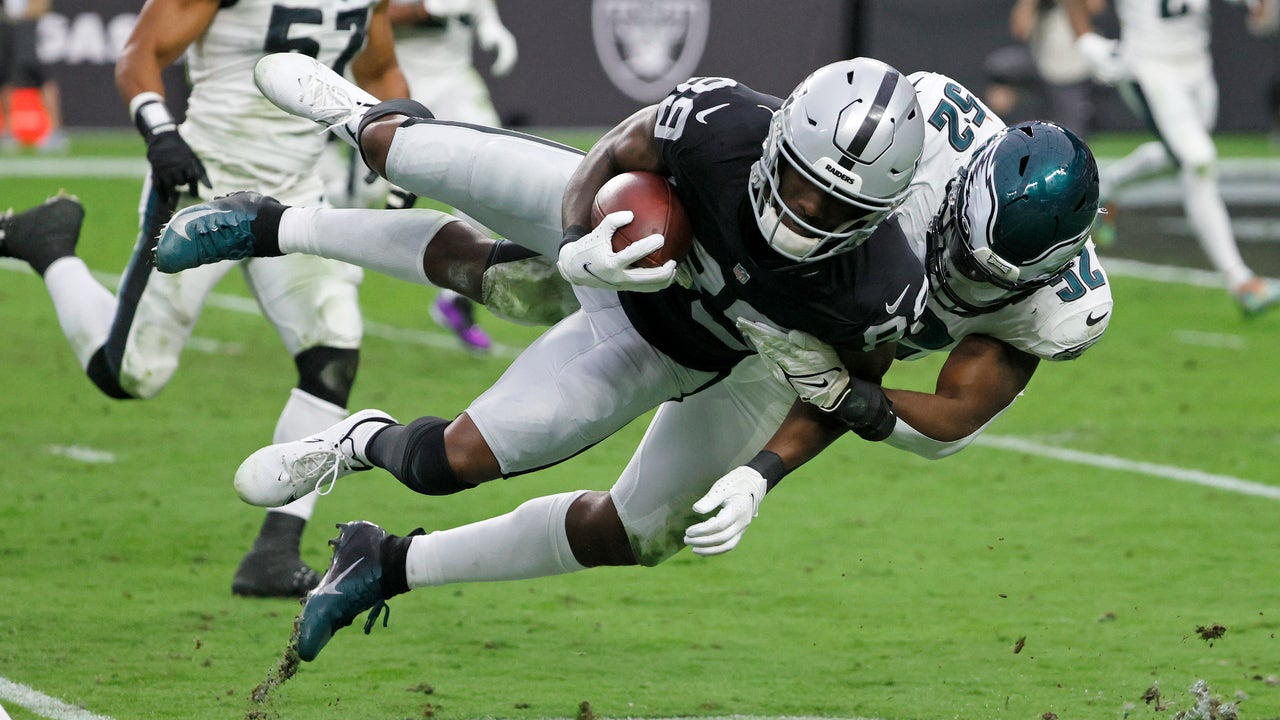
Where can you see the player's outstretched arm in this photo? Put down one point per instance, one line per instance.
(806, 431)
(981, 377)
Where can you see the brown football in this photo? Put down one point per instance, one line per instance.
(657, 209)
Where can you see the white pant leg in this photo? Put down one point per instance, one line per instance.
(578, 383)
(510, 183)
(311, 301)
(1183, 101)
(689, 445)
(165, 314)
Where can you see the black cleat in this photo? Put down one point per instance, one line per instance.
(269, 573)
(44, 233)
(352, 585)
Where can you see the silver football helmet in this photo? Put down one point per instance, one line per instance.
(853, 129)
(1014, 219)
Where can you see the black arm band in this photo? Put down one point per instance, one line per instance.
(770, 467)
(866, 410)
(572, 233)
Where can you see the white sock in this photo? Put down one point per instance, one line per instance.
(391, 243)
(527, 542)
(85, 309)
(1207, 215)
(304, 414)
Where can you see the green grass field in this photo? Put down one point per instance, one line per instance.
(993, 584)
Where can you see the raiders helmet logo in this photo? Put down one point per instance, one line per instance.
(647, 46)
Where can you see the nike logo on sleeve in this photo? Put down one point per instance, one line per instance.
(701, 116)
(1091, 320)
(892, 308)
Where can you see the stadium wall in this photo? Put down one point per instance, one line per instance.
(592, 62)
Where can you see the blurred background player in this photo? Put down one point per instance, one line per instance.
(1164, 70)
(232, 139)
(435, 44)
(1043, 63)
(31, 96)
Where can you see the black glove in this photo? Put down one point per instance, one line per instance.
(173, 165)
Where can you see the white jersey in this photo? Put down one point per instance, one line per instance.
(1163, 29)
(436, 59)
(1057, 322)
(441, 45)
(229, 123)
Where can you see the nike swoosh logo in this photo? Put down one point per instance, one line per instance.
(586, 268)
(811, 383)
(1091, 320)
(892, 308)
(181, 231)
(328, 588)
(702, 116)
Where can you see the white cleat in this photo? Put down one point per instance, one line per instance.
(279, 474)
(303, 86)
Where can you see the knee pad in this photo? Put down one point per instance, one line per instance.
(327, 373)
(424, 465)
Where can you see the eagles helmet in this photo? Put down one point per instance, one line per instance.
(853, 129)
(1014, 219)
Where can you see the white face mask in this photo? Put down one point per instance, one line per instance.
(784, 240)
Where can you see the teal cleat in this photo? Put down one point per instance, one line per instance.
(234, 227)
(352, 584)
(1257, 296)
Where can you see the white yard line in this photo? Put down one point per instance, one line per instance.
(1111, 462)
(41, 704)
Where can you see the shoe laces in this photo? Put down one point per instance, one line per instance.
(379, 608)
(324, 466)
(329, 103)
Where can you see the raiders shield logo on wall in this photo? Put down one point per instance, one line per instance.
(648, 46)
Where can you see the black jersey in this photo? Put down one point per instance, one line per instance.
(711, 131)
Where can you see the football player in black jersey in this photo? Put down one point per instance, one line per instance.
(792, 238)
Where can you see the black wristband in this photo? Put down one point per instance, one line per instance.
(151, 117)
(770, 467)
(866, 410)
(572, 233)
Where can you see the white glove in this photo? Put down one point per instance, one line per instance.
(492, 36)
(449, 8)
(1103, 57)
(591, 261)
(811, 367)
(738, 496)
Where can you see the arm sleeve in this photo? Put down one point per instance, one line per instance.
(905, 437)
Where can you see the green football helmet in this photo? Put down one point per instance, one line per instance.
(1014, 219)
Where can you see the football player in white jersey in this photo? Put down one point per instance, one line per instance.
(232, 138)
(1047, 312)
(1164, 69)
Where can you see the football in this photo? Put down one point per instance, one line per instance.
(657, 209)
